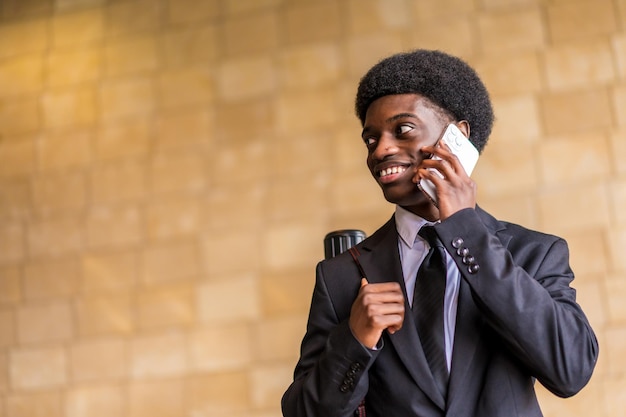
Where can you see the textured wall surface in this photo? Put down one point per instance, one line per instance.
(169, 168)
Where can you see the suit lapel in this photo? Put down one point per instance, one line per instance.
(380, 260)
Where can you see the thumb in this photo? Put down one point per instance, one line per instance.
(364, 282)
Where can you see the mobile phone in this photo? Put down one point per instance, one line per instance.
(462, 148)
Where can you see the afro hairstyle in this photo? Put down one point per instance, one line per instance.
(447, 81)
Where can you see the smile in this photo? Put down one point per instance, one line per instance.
(391, 170)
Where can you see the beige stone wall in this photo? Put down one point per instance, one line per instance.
(169, 168)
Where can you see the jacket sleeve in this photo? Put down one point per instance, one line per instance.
(330, 378)
(521, 284)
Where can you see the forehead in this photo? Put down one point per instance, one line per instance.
(416, 105)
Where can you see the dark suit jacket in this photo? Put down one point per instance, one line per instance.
(517, 321)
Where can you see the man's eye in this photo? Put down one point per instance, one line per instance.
(402, 129)
(369, 141)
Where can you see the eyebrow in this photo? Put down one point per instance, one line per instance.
(392, 119)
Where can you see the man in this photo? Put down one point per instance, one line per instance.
(509, 315)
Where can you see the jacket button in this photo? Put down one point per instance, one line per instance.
(457, 242)
(462, 251)
(473, 268)
(469, 259)
(344, 387)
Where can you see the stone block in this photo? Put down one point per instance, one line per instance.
(189, 86)
(19, 116)
(178, 172)
(39, 404)
(574, 21)
(230, 300)
(158, 355)
(279, 339)
(131, 55)
(367, 16)
(125, 181)
(165, 306)
(51, 279)
(43, 323)
(557, 156)
(175, 217)
(614, 349)
(218, 394)
(241, 164)
(123, 18)
(170, 262)
(454, 34)
(98, 360)
(229, 128)
(618, 98)
(60, 150)
(164, 398)
(506, 168)
(73, 66)
(220, 348)
(189, 11)
(310, 66)
(514, 30)
(55, 236)
(105, 315)
(564, 209)
(108, 226)
(123, 98)
(220, 201)
(434, 9)
(246, 78)
(37, 368)
(237, 32)
(305, 111)
(18, 157)
(95, 401)
(575, 111)
(585, 245)
(110, 272)
(517, 119)
(579, 65)
(128, 139)
(506, 74)
(10, 285)
(83, 27)
(15, 199)
(298, 18)
(268, 383)
(22, 75)
(363, 51)
(19, 37)
(190, 45)
(69, 108)
(7, 339)
(615, 286)
(287, 292)
(187, 129)
(60, 192)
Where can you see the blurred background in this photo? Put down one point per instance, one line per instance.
(169, 169)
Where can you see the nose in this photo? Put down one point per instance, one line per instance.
(385, 147)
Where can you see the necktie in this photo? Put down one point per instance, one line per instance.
(430, 287)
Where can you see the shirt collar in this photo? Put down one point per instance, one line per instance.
(408, 225)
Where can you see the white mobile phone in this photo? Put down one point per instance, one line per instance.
(462, 148)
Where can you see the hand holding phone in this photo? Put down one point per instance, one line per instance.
(462, 148)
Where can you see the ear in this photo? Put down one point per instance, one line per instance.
(464, 126)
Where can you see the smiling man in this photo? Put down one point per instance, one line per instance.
(458, 313)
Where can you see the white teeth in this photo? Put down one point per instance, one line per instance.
(392, 170)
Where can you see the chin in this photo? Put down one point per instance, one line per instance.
(404, 196)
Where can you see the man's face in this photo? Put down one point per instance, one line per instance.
(396, 128)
